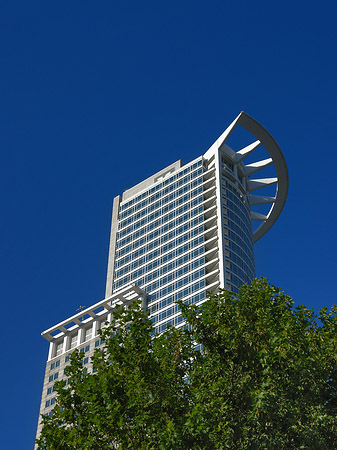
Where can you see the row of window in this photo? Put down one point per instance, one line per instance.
(99, 342)
(54, 377)
(178, 295)
(174, 309)
(235, 196)
(179, 236)
(148, 194)
(187, 217)
(226, 164)
(231, 287)
(236, 281)
(236, 204)
(164, 281)
(191, 227)
(237, 212)
(50, 390)
(176, 284)
(156, 220)
(152, 257)
(230, 167)
(238, 189)
(54, 364)
(239, 230)
(239, 223)
(241, 253)
(240, 237)
(177, 320)
(50, 402)
(240, 273)
(85, 349)
(245, 218)
(161, 206)
(238, 261)
(179, 247)
(177, 207)
(142, 281)
(188, 181)
(162, 315)
(74, 342)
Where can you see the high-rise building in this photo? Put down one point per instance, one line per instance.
(184, 231)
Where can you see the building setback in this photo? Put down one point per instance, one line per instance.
(176, 235)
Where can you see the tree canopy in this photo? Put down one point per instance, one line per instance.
(249, 371)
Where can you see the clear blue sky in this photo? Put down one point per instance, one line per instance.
(96, 96)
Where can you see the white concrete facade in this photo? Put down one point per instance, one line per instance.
(79, 332)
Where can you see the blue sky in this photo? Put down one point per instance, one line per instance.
(96, 96)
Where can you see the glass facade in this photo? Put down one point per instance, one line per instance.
(168, 238)
(240, 267)
(160, 244)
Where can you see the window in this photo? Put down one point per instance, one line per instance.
(86, 360)
(57, 364)
(49, 391)
(87, 348)
(52, 366)
(97, 343)
(56, 375)
(88, 333)
(73, 341)
(52, 401)
(59, 348)
(82, 350)
(67, 358)
(51, 378)
(47, 403)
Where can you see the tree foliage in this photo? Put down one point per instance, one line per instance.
(264, 379)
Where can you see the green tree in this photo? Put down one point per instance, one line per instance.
(264, 379)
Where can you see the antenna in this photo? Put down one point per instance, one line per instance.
(81, 308)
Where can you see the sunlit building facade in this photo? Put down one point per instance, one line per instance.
(188, 229)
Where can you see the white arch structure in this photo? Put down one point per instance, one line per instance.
(263, 137)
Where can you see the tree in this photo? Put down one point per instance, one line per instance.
(265, 378)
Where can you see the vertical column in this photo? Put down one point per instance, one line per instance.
(80, 336)
(94, 328)
(66, 343)
(235, 172)
(143, 298)
(52, 349)
(112, 247)
(220, 220)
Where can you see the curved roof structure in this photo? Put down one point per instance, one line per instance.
(263, 137)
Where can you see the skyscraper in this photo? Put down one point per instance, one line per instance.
(176, 235)
(188, 228)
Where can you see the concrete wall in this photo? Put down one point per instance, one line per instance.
(112, 246)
